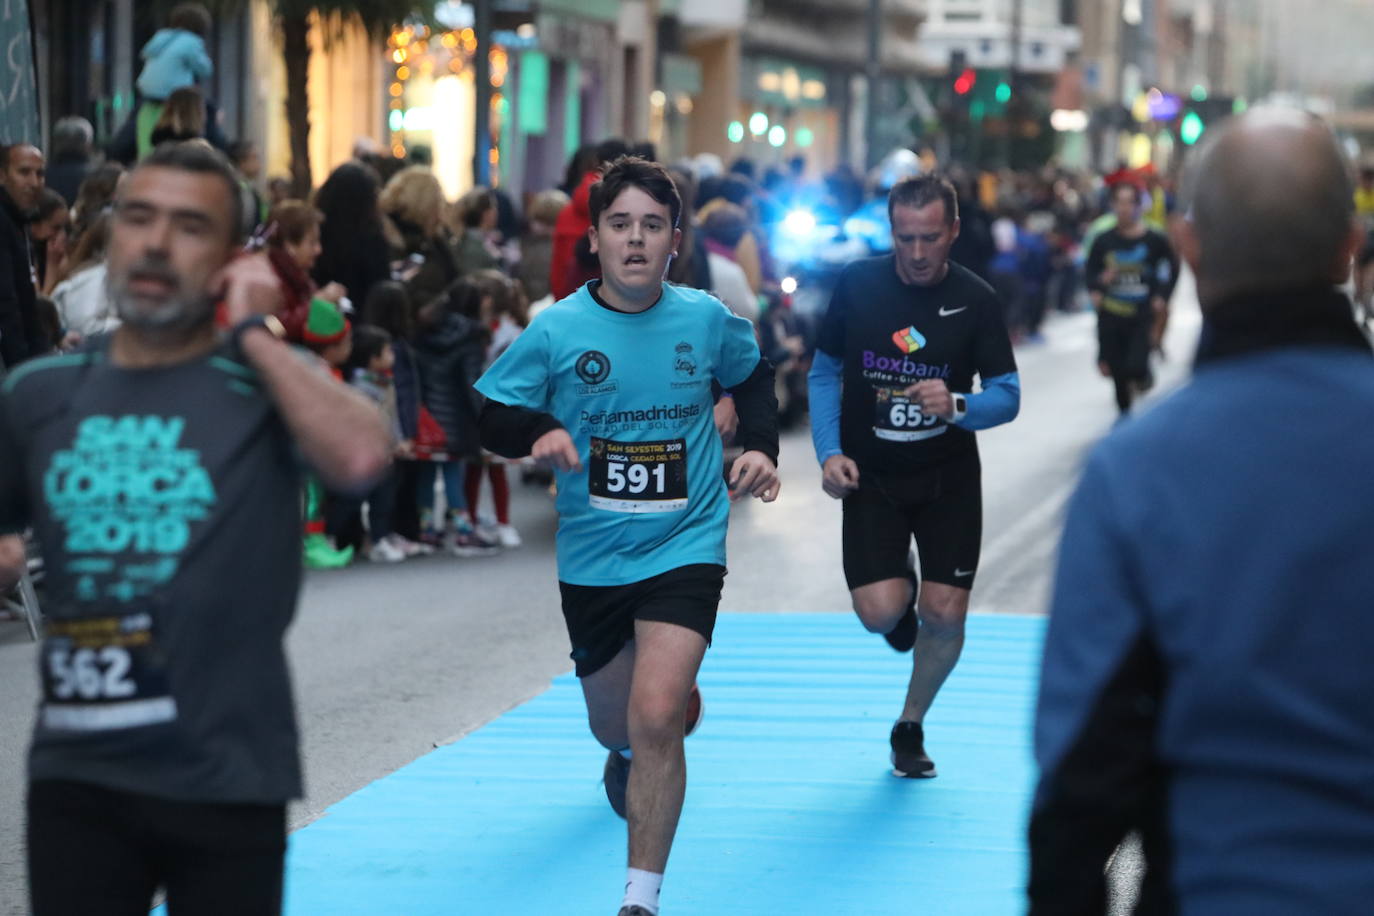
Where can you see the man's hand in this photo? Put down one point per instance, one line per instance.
(933, 398)
(1096, 298)
(839, 476)
(555, 449)
(249, 287)
(754, 474)
(727, 420)
(12, 561)
(332, 292)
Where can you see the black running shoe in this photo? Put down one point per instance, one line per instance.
(909, 757)
(617, 777)
(903, 635)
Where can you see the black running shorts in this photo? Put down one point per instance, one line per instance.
(1124, 344)
(601, 618)
(942, 507)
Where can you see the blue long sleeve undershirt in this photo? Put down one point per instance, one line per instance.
(998, 402)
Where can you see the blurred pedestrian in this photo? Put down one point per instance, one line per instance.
(293, 247)
(353, 245)
(182, 118)
(50, 238)
(536, 245)
(72, 155)
(721, 232)
(450, 347)
(388, 307)
(413, 201)
(82, 302)
(369, 371)
(21, 185)
(477, 215)
(95, 196)
(573, 263)
(1206, 674)
(176, 56)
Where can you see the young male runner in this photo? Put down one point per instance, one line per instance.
(892, 419)
(613, 387)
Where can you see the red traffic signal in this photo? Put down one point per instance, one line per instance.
(966, 81)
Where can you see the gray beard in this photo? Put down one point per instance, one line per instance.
(176, 314)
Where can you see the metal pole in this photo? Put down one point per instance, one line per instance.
(481, 67)
(1008, 119)
(873, 70)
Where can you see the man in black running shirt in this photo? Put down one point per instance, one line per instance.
(1131, 274)
(893, 413)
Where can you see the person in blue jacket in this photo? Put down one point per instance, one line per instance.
(175, 57)
(1206, 676)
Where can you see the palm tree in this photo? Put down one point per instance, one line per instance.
(293, 18)
(377, 18)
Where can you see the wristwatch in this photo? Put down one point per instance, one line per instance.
(270, 323)
(960, 408)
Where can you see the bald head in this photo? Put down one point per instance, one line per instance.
(1271, 205)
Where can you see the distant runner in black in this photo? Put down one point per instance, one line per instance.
(1132, 270)
(893, 414)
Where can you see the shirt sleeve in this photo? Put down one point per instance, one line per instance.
(1101, 688)
(824, 389)
(520, 376)
(830, 338)
(993, 355)
(1092, 271)
(739, 349)
(14, 501)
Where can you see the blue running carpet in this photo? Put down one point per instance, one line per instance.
(791, 806)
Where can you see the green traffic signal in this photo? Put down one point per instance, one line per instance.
(1191, 128)
(1003, 93)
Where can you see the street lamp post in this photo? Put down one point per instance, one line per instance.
(481, 67)
(873, 71)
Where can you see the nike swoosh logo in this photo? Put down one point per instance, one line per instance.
(945, 313)
(961, 573)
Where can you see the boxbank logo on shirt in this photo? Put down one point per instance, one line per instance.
(909, 340)
(126, 487)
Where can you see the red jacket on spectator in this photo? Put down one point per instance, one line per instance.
(566, 275)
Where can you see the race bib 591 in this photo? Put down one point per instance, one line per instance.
(638, 476)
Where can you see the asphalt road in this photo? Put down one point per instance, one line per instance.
(391, 661)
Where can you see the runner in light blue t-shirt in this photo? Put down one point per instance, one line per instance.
(615, 387)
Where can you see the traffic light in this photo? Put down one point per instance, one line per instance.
(1191, 128)
(965, 82)
(1003, 93)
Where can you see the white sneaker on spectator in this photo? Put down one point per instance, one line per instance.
(408, 547)
(385, 552)
(507, 536)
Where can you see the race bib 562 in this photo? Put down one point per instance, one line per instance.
(104, 672)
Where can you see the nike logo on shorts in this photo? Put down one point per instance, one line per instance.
(945, 313)
(963, 573)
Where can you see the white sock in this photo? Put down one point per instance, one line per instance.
(641, 889)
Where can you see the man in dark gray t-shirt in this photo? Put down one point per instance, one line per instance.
(159, 470)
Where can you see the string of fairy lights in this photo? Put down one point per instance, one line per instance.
(418, 50)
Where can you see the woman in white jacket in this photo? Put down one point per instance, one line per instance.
(81, 299)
